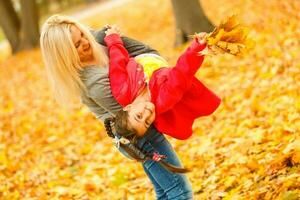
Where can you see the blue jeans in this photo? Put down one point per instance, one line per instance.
(167, 185)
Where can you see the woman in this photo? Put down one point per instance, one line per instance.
(77, 67)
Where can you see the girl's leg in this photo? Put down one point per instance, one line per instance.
(174, 185)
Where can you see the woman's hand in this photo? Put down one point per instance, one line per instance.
(112, 30)
(201, 37)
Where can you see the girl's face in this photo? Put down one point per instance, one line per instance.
(82, 45)
(140, 116)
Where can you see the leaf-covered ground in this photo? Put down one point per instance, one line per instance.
(248, 149)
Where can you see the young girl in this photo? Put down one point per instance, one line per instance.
(171, 98)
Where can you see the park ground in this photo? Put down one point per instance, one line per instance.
(248, 149)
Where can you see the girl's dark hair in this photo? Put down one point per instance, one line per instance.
(122, 128)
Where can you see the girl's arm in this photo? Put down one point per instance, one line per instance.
(118, 60)
(168, 91)
(122, 70)
(118, 55)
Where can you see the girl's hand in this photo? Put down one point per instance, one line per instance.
(201, 37)
(112, 30)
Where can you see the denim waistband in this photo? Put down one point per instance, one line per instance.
(151, 134)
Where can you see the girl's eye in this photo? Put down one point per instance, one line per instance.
(139, 116)
(147, 123)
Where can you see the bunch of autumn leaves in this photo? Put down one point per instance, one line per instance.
(229, 37)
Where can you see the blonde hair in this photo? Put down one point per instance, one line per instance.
(61, 59)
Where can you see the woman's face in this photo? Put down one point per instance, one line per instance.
(82, 45)
(140, 116)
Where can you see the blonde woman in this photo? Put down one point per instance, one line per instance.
(77, 66)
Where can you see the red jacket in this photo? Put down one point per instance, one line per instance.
(178, 96)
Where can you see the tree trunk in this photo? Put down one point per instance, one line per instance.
(30, 26)
(190, 18)
(10, 24)
(44, 6)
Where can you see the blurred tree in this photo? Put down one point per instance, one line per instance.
(30, 24)
(21, 32)
(43, 6)
(10, 23)
(190, 18)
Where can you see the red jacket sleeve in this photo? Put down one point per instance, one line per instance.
(117, 50)
(123, 75)
(118, 60)
(168, 88)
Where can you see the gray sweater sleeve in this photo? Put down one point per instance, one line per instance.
(102, 96)
(98, 86)
(133, 47)
(99, 112)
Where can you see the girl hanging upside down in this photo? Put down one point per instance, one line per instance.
(150, 92)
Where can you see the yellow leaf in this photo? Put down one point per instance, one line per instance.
(230, 37)
(214, 40)
(230, 23)
(296, 158)
(3, 158)
(229, 181)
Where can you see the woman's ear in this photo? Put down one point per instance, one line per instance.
(127, 108)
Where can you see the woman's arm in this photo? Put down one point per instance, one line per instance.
(133, 47)
(99, 112)
(98, 96)
(101, 101)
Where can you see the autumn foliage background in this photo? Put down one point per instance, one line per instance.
(248, 149)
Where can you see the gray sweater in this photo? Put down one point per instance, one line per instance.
(98, 97)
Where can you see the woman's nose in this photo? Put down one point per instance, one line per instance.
(85, 41)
